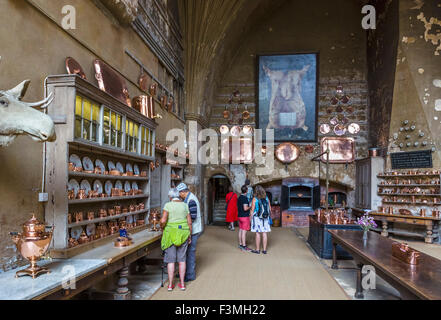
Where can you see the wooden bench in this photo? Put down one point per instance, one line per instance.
(422, 281)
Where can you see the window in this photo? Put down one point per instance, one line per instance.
(146, 141)
(87, 116)
(132, 138)
(112, 128)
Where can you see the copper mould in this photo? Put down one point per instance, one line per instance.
(390, 210)
(405, 212)
(81, 194)
(422, 212)
(152, 166)
(97, 170)
(115, 172)
(142, 80)
(103, 195)
(103, 213)
(116, 192)
(117, 210)
(123, 242)
(163, 101)
(341, 150)
(141, 206)
(132, 208)
(111, 212)
(144, 104)
(71, 166)
(152, 89)
(78, 169)
(404, 253)
(72, 242)
(70, 194)
(73, 67)
(435, 214)
(381, 209)
(287, 152)
(111, 82)
(170, 104)
(78, 217)
(125, 210)
(90, 215)
(32, 244)
(83, 238)
(245, 114)
(69, 218)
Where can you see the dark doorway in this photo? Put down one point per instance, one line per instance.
(217, 191)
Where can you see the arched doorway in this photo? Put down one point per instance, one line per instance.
(217, 190)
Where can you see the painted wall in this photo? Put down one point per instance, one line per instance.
(35, 46)
(331, 28)
(417, 84)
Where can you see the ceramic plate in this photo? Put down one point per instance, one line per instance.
(108, 187)
(73, 185)
(334, 121)
(86, 186)
(120, 167)
(136, 169)
(76, 232)
(129, 167)
(118, 185)
(127, 186)
(100, 165)
(90, 229)
(354, 128)
(339, 130)
(235, 131)
(87, 164)
(111, 165)
(134, 186)
(325, 128)
(75, 160)
(98, 186)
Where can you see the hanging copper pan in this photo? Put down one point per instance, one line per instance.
(287, 152)
(142, 80)
(153, 88)
(226, 113)
(163, 101)
(73, 67)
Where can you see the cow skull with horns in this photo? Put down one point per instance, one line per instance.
(20, 118)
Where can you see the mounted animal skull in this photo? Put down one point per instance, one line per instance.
(20, 118)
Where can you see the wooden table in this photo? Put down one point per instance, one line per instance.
(431, 224)
(422, 281)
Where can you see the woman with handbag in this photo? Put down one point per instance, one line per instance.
(231, 207)
(260, 218)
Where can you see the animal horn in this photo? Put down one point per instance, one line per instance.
(19, 91)
(43, 103)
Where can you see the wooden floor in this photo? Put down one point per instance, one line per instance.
(288, 271)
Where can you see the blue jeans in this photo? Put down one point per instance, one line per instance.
(190, 273)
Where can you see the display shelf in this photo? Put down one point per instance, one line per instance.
(93, 200)
(409, 175)
(105, 176)
(108, 218)
(413, 203)
(434, 185)
(409, 194)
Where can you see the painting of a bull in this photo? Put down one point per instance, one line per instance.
(287, 103)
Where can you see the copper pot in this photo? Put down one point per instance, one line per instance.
(390, 210)
(72, 243)
(422, 212)
(103, 213)
(115, 172)
(70, 194)
(132, 208)
(83, 238)
(97, 170)
(435, 213)
(71, 166)
(170, 104)
(111, 212)
(69, 218)
(163, 101)
(141, 206)
(144, 104)
(78, 217)
(152, 89)
(125, 210)
(117, 210)
(226, 114)
(90, 215)
(144, 173)
(81, 194)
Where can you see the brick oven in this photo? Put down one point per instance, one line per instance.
(299, 198)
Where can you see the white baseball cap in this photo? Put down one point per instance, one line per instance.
(182, 187)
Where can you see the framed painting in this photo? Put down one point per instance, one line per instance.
(287, 96)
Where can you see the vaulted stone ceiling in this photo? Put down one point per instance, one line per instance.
(212, 35)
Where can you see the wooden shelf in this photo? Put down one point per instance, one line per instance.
(83, 201)
(411, 203)
(408, 185)
(409, 175)
(108, 218)
(409, 194)
(105, 176)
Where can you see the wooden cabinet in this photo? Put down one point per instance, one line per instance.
(93, 124)
(366, 181)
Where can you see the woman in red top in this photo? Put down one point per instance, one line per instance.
(231, 200)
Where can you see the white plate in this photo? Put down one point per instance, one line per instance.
(100, 165)
(120, 167)
(134, 185)
(87, 164)
(73, 185)
(86, 186)
(108, 187)
(110, 165)
(76, 232)
(129, 167)
(127, 186)
(75, 160)
(136, 169)
(98, 186)
(90, 229)
(118, 185)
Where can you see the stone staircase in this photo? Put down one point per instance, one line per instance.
(219, 212)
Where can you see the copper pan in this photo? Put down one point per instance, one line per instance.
(73, 67)
(144, 104)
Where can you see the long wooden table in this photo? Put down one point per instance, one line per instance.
(422, 281)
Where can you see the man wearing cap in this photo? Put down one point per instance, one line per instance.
(195, 212)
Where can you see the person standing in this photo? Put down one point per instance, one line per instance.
(231, 200)
(243, 207)
(176, 226)
(260, 218)
(195, 214)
